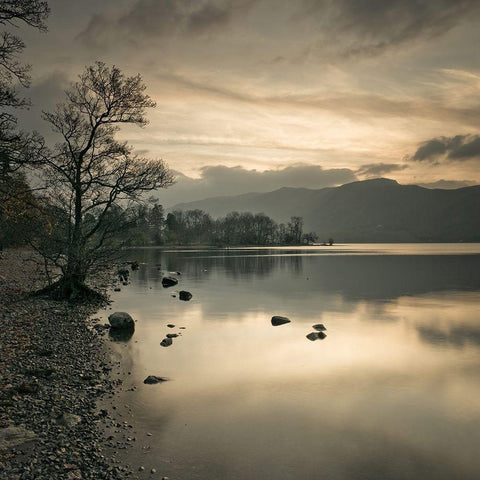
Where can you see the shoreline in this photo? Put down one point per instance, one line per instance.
(56, 373)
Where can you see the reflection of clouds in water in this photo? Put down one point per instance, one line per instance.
(457, 336)
(232, 283)
(247, 400)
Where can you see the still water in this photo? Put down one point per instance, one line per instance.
(392, 392)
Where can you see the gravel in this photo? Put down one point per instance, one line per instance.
(55, 372)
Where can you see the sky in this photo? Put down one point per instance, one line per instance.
(253, 95)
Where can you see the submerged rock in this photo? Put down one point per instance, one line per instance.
(166, 342)
(320, 327)
(277, 320)
(134, 265)
(121, 320)
(169, 282)
(123, 274)
(316, 336)
(153, 379)
(184, 295)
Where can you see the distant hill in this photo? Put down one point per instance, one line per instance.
(379, 210)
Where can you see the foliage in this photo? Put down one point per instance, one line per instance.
(196, 227)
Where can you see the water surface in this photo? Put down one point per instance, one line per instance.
(391, 393)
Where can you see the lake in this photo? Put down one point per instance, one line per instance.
(392, 392)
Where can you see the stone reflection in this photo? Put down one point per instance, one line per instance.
(122, 335)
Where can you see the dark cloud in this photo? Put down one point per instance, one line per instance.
(220, 180)
(369, 27)
(430, 150)
(460, 147)
(379, 169)
(45, 93)
(157, 18)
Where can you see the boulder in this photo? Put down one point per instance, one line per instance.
(69, 420)
(134, 265)
(316, 336)
(184, 295)
(166, 342)
(153, 379)
(121, 320)
(13, 436)
(172, 335)
(169, 282)
(171, 325)
(277, 320)
(320, 327)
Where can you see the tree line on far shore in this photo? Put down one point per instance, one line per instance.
(151, 226)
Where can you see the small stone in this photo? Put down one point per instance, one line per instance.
(278, 320)
(316, 336)
(169, 282)
(166, 342)
(153, 470)
(153, 379)
(141, 468)
(184, 295)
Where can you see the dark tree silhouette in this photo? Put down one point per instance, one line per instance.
(16, 147)
(89, 174)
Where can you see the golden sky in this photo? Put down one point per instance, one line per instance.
(307, 93)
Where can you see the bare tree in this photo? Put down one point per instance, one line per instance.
(15, 146)
(92, 177)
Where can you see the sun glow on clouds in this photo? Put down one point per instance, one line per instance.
(264, 84)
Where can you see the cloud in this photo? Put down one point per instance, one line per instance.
(160, 18)
(45, 93)
(459, 147)
(379, 169)
(447, 184)
(220, 180)
(370, 27)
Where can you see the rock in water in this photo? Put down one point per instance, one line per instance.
(166, 342)
(320, 327)
(13, 436)
(121, 320)
(153, 379)
(316, 336)
(184, 295)
(169, 282)
(277, 320)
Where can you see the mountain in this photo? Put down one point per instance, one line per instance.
(379, 210)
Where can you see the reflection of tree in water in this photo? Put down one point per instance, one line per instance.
(234, 264)
(458, 337)
(354, 277)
